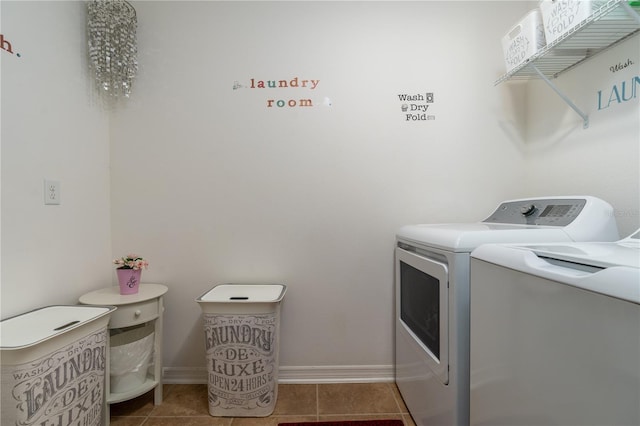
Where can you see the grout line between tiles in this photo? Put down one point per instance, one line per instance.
(395, 398)
(317, 403)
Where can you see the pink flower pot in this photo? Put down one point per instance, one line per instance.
(129, 280)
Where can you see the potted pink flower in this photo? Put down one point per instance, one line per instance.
(129, 270)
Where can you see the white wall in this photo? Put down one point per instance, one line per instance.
(603, 160)
(213, 186)
(51, 129)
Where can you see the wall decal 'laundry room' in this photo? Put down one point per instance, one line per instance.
(6, 45)
(295, 83)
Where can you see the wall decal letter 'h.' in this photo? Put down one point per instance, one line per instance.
(5, 45)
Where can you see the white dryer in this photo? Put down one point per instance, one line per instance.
(555, 334)
(432, 293)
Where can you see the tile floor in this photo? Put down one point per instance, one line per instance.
(186, 405)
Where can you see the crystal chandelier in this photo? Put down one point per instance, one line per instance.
(111, 35)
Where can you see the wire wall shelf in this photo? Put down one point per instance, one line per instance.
(612, 23)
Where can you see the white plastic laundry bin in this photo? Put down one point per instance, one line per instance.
(53, 366)
(561, 17)
(242, 328)
(523, 40)
(130, 353)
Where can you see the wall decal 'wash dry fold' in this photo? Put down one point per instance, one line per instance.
(417, 106)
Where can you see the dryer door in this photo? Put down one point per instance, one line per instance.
(422, 307)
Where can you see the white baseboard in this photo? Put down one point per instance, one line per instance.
(297, 374)
(184, 375)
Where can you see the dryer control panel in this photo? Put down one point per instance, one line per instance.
(538, 211)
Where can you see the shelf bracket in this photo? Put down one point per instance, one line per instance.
(585, 117)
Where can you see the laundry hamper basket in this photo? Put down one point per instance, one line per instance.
(241, 327)
(53, 366)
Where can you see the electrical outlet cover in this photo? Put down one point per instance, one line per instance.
(51, 192)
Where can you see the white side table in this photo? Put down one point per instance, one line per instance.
(134, 309)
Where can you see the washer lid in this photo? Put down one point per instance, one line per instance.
(533, 220)
(464, 237)
(625, 252)
(611, 269)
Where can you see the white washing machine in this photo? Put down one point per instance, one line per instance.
(432, 293)
(555, 334)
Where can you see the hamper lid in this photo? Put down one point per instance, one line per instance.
(244, 293)
(41, 324)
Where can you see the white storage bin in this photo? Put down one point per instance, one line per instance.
(523, 40)
(130, 353)
(242, 327)
(53, 366)
(561, 16)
